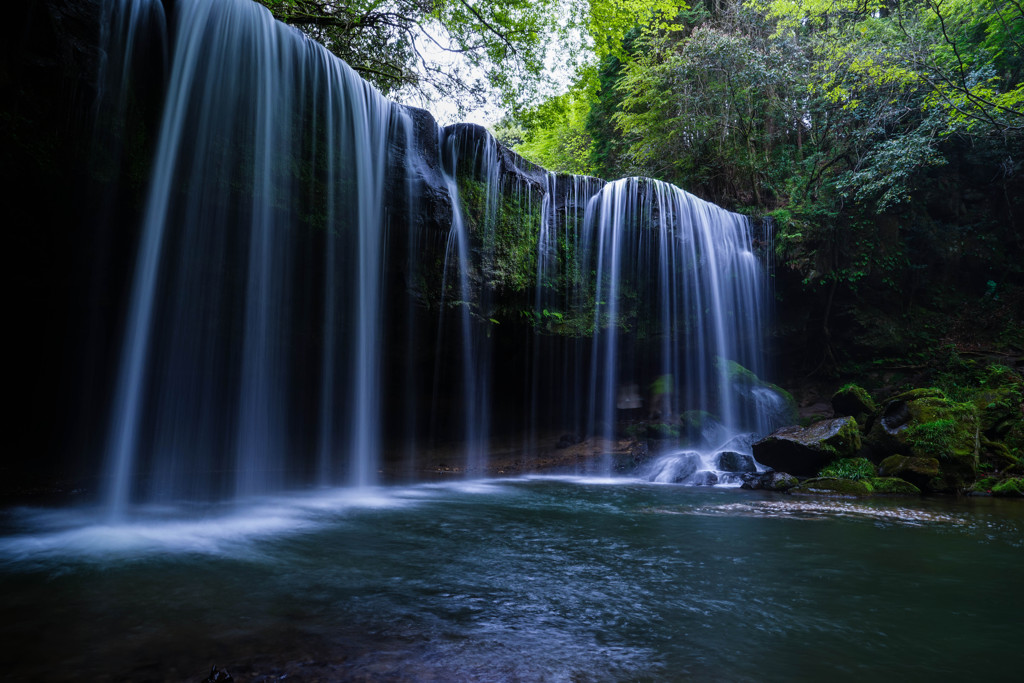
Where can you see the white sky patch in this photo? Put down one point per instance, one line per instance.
(562, 59)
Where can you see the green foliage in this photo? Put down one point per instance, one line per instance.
(552, 134)
(935, 439)
(709, 110)
(1011, 487)
(456, 50)
(849, 468)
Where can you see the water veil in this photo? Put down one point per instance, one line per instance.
(326, 286)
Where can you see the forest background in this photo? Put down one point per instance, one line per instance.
(883, 138)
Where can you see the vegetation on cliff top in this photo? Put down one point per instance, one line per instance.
(885, 140)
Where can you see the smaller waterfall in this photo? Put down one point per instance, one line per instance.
(677, 320)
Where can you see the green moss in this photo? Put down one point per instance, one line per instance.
(738, 375)
(918, 394)
(995, 455)
(695, 419)
(893, 486)
(853, 400)
(642, 431)
(1011, 487)
(935, 438)
(984, 485)
(849, 468)
(845, 440)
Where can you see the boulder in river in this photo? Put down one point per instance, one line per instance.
(917, 471)
(805, 450)
(854, 401)
(731, 461)
(923, 423)
(769, 481)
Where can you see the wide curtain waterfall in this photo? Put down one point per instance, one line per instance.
(324, 284)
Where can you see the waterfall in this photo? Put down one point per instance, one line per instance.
(315, 264)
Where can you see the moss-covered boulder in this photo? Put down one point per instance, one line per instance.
(831, 486)
(754, 394)
(1012, 488)
(856, 402)
(769, 481)
(805, 450)
(983, 487)
(925, 424)
(918, 471)
(1000, 403)
(893, 486)
(998, 410)
(995, 455)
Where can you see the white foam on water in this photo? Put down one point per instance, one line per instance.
(583, 479)
(88, 534)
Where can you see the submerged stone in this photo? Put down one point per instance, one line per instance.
(804, 451)
(828, 486)
(893, 486)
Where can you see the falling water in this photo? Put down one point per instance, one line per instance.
(217, 308)
(315, 263)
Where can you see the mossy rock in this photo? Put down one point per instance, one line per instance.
(996, 455)
(893, 486)
(829, 486)
(739, 376)
(856, 402)
(1011, 488)
(999, 410)
(924, 424)
(692, 423)
(1001, 403)
(662, 431)
(917, 394)
(1015, 470)
(918, 471)
(984, 486)
(779, 481)
(805, 450)
(769, 481)
(655, 431)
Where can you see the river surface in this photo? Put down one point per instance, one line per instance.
(535, 579)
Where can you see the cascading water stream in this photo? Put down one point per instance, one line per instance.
(277, 330)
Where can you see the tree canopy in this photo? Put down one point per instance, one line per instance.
(435, 49)
(466, 51)
(885, 137)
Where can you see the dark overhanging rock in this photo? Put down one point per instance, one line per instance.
(803, 451)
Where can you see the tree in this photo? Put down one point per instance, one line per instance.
(717, 109)
(455, 50)
(552, 133)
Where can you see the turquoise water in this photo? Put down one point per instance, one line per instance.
(533, 580)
